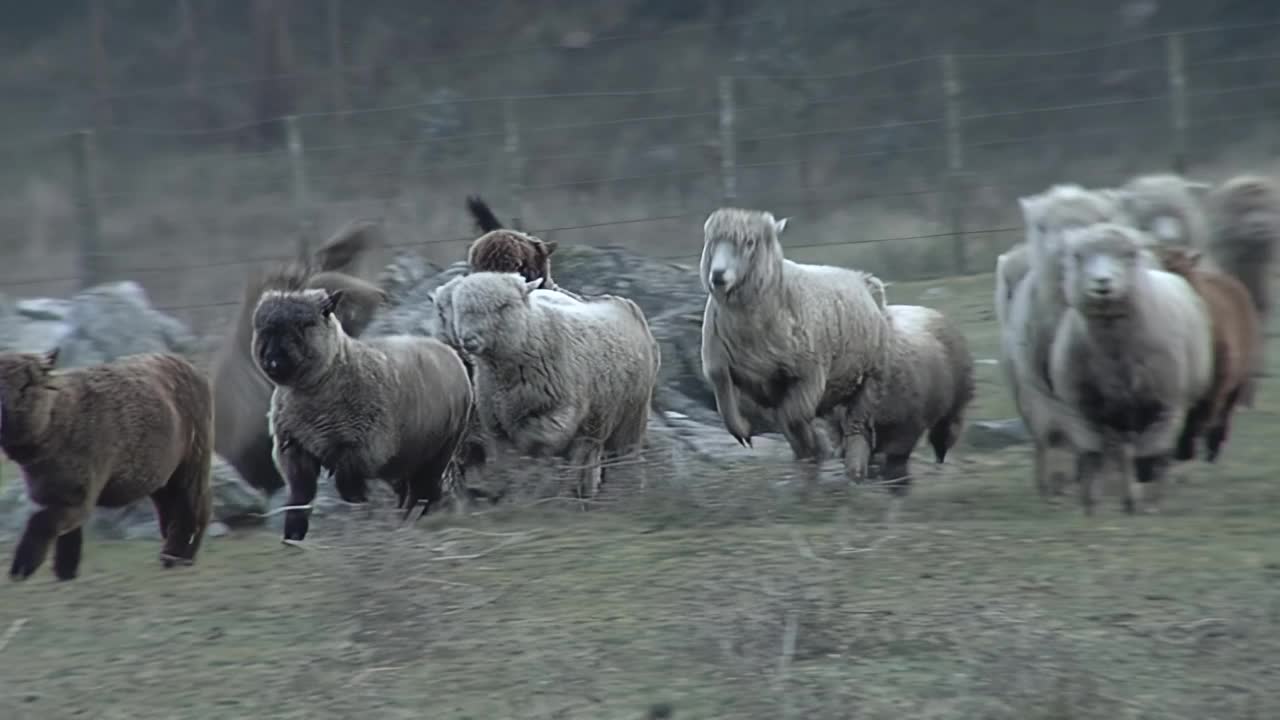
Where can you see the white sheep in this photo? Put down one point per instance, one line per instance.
(555, 375)
(1131, 354)
(1030, 318)
(797, 342)
(1168, 207)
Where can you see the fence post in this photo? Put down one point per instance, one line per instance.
(955, 163)
(84, 162)
(515, 162)
(298, 173)
(1177, 99)
(337, 77)
(728, 146)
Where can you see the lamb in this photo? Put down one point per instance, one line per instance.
(928, 386)
(799, 342)
(1030, 319)
(242, 394)
(1131, 355)
(393, 407)
(1236, 337)
(107, 435)
(503, 250)
(555, 376)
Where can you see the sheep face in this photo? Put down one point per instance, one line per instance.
(1158, 204)
(26, 400)
(1062, 208)
(296, 334)
(735, 242)
(1100, 267)
(487, 308)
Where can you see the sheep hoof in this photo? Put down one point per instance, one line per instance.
(169, 560)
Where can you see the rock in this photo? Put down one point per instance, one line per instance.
(235, 503)
(996, 434)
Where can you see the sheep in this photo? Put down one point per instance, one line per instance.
(107, 435)
(503, 250)
(1236, 335)
(1030, 319)
(1131, 355)
(241, 393)
(1245, 217)
(799, 342)
(1167, 207)
(555, 376)
(393, 407)
(927, 388)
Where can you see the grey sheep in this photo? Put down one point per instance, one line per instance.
(393, 407)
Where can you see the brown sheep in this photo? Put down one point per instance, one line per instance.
(394, 407)
(242, 394)
(107, 435)
(1236, 335)
(504, 250)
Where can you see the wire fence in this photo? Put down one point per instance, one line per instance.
(918, 180)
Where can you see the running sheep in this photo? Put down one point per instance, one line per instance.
(555, 376)
(393, 407)
(1131, 355)
(797, 342)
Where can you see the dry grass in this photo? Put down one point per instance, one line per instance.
(716, 590)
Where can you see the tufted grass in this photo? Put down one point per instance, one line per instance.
(716, 592)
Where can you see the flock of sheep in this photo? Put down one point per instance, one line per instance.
(1118, 343)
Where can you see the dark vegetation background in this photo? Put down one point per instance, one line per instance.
(403, 107)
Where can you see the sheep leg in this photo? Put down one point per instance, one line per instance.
(728, 407)
(1220, 426)
(896, 473)
(67, 551)
(857, 426)
(1150, 471)
(587, 457)
(1194, 424)
(301, 471)
(1088, 469)
(44, 527)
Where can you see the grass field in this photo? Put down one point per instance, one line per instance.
(972, 599)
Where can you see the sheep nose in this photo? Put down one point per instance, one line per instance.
(273, 364)
(717, 277)
(1101, 287)
(471, 344)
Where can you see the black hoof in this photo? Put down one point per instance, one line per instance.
(169, 560)
(295, 525)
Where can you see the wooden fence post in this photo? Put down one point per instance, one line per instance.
(728, 145)
(515, 161)
(337, 67)
(955, 163)
(1176, 61)
(301, 193)
(85, 168)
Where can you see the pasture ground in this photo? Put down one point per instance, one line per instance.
(971, 599)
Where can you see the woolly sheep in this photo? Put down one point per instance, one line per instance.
(1167, 207)
(927, 388)
(555, 375)
(1245, 216)
(1031, 317)
(799, 342)
(1131, 355)
(393, 407)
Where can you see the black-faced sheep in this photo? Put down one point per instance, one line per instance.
(107, 435)
(393, 407)
(1031, 318)
(555, 375)
(800, 342)
(241, 393)
(927, 388)
(1132, 354)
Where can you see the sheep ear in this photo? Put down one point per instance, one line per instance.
(1199, 188)
(780, 225)
(49, 360)
(1026, 203)
(531, 285)
(1193, 257)
(549, 246)
(329, 305)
